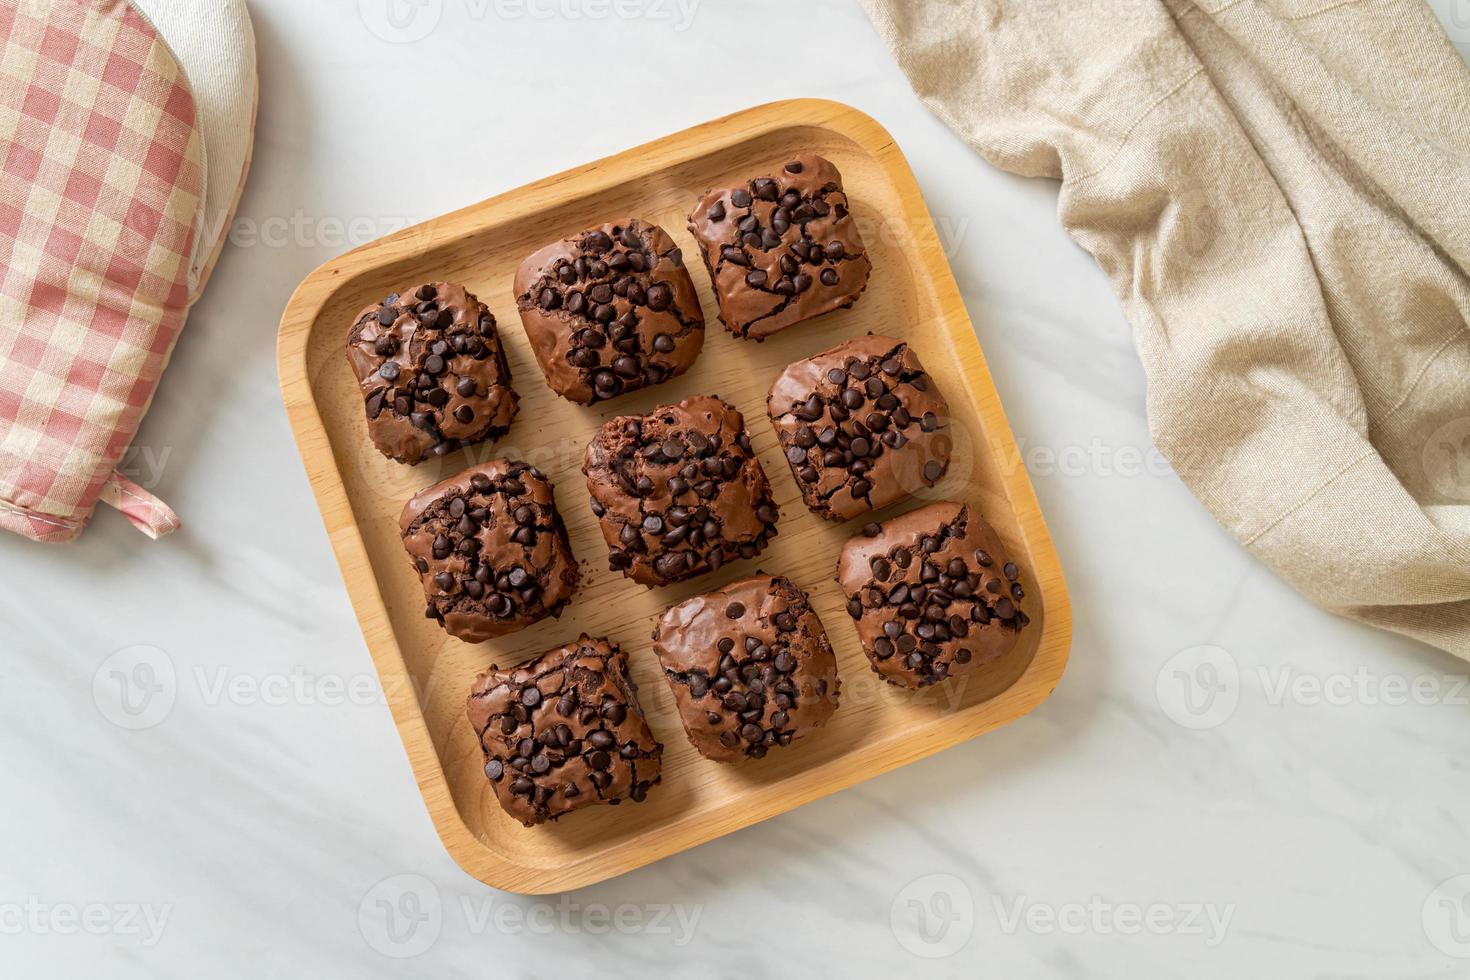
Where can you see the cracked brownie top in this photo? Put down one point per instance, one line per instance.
(610, 311)
(564, 731)
(862, 425)
(678, 491)
(750, 667)
(433, 374)
(933, 594)
(781, 248)
(490, 549)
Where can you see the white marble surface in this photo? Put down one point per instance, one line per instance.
(256, 822)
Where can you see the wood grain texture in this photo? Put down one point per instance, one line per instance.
(426, 674)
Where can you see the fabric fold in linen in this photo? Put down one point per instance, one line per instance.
(1280, 193)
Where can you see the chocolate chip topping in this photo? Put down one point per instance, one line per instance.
(862, 426)
(490, 549)
(781, 248)
(564, 731)
(610, 311)
(927, 595)
(678, 491)
(433, 374)
(750, 667)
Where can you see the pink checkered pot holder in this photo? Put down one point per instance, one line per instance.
(101, 208)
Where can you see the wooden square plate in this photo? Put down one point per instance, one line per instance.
(427, 674)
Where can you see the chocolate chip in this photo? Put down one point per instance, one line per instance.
(606, 384)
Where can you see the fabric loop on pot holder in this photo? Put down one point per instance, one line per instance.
(143, 510)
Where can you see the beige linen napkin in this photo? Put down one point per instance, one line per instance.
(1280, 192)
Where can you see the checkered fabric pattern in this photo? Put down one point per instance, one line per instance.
(101, 202)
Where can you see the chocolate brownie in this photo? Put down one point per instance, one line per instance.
(750, 667)
(679, 491)
(781, 248)
(862, 425)
(564, 731)
(490, 549)
(933, 593)
(432, 372)
(610, 311)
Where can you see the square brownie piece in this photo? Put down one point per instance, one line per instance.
(679, 491)
(490, 549)
(933, 594)
(862, 425)
(432, 371)
(610, 311)
(781, 247)
(564, 731)
(750, 667)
